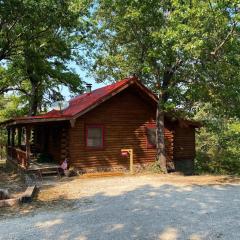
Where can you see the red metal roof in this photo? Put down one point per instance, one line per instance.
(85, 101)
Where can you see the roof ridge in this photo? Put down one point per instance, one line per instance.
(107, 86)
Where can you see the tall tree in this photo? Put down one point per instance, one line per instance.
(218, 142)
(30, 20)
(181, 49)
(38, 45)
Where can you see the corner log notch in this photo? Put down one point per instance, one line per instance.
(64, 144)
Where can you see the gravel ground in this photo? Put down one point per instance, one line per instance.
(142, 207)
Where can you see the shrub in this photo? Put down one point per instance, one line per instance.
(218, 148)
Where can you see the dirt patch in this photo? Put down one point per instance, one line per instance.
(131, 207)
(83, 186)
(11, 181)
(66, 194)
(77, 187)
(200, 180)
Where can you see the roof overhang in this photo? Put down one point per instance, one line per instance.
(183, 122)
(29, 121)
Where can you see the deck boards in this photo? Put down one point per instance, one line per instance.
(41, 166)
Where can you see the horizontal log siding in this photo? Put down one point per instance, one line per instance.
(184, 143)
(168, 132)
(125, 118)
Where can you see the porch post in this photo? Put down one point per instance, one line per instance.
(13, 137)
(28, 150)
(1, 145)
(8, 137)
(19, 136)
(9, 144)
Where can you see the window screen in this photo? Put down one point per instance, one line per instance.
(151, 137)
(94, 136)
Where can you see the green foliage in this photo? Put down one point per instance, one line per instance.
(186, 50)
(218, 146)
(26, 21)
(37, 47)
(10, 107)
(154, 168)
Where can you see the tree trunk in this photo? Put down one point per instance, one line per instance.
(163, 98)
(33, 104)
(160, 142)
(33, 79)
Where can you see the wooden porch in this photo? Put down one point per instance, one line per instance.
(18, 157)
(37, 148)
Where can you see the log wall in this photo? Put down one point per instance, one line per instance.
(184, 149)
(124, 118)
(56, 142)
(184, 143)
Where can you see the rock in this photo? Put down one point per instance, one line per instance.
(70, 173)
(4, 194)
(28, 195)
(9, 202)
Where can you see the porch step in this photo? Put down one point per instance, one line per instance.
(36, 178)
(41, 174)
(50, 172)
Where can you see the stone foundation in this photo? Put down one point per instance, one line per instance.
(137, 168)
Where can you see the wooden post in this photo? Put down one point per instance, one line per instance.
(8, 137)
(130, 152)
(1, 144)
(131, 160)
(28, 150)
(1, 152)
(13, 137)
(11, 141)
(19, 136)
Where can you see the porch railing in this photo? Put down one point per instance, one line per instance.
(2, 152)
(17, 155)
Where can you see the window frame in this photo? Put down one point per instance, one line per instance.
(149, 145)
(87, 126)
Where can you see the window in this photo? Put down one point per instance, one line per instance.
(151, 136)
(94, 136)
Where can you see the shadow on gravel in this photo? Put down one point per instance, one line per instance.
(165, 212)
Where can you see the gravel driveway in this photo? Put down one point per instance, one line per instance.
(141, 207)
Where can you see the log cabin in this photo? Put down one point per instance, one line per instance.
(91, 132)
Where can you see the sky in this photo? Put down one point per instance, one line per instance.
(85, 78)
